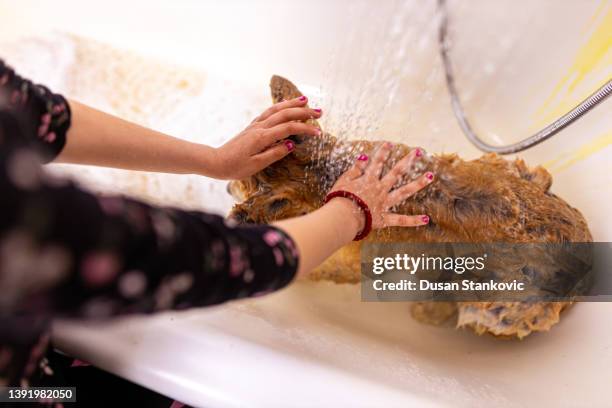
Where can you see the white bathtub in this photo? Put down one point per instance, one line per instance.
(374, 68)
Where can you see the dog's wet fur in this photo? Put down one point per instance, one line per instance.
(486, 200)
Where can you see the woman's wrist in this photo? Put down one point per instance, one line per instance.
(350, 213)
(204, 161)
(322, 232)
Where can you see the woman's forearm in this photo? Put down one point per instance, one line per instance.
(324, 231)
(101, 139)
(104, 140)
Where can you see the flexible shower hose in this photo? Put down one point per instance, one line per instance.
(583, 107)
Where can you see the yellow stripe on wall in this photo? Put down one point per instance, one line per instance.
(568, 159)
(595, 54)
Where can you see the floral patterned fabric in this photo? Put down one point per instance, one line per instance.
(67, 252)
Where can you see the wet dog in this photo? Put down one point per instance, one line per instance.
(486, 200)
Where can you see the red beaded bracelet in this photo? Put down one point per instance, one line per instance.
(364, 207)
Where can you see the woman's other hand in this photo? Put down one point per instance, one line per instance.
(265, 141)
(319, 233)
(365, 180)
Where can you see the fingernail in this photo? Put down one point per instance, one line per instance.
(425, 219)
(290, 145)
(302, 98)
(388, 145)
(362, 157)
(318, 132)
(418, 153)
(318, 110)
(429, 175)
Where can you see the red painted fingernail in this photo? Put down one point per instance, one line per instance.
(362, 157)
(429, 175)
(290, 145)
(425, 219)
(302, 98)
(418, 153)
(318, 110)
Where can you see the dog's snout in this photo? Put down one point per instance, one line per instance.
(241, 216)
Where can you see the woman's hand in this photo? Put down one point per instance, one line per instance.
(319, 233)
(364, 180)
(263, 141)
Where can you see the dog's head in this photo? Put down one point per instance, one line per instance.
(297, 184)
(288, 187)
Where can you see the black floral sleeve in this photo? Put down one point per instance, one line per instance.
(103, 256)
(43, 117)
(64, 251)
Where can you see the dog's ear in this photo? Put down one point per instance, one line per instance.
(306, 146)
(538, 175)
(282, 90)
